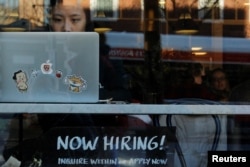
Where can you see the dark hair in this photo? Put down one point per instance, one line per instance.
(194, 69)
(211, 79)
(53, 2)
(185, 72)
(14, 76)
(89, 24)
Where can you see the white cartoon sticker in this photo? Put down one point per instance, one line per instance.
(21, 79)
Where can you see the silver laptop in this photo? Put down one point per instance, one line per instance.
(49, 67)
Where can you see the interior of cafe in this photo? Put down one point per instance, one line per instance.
(193, 31)
(170, 58)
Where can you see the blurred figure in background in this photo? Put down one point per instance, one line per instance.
(188, 82)
(219, 84)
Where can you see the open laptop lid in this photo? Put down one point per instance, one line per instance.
(49, 67)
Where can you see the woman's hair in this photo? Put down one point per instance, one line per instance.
(218, 70)
(89, 24)
(184, 73)
(194, 69)
(53, 2)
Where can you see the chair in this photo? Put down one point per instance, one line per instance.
(194, 138)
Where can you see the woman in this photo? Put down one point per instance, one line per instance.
(71, 16)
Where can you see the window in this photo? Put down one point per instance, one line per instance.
(210, 9)
(8, 11)
(199, 83)
(104, 9)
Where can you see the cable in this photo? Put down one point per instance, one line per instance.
(217, 132)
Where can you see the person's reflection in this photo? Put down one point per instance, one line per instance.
(188, 82)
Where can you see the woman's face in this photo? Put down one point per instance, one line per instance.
(220, 81)
(68, 18)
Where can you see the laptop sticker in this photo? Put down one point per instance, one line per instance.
(21, 80)
(35, 73)
(75, 83)
(46, 68)
(59, 74)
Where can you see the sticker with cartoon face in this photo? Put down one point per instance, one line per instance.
(21, 79)
(76, 83)
(46, 68)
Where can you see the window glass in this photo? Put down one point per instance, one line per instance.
(173, 86)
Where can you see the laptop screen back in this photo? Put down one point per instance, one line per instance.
(49, 67)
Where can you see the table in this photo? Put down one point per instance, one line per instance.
(7, 108)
